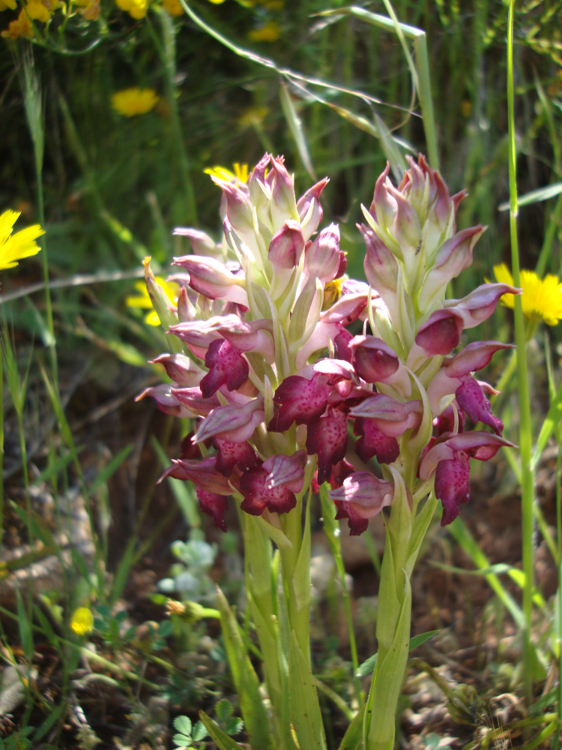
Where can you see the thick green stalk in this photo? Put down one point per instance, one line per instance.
(262, 600)
(305, 714)
(525, 434)
(393, 624)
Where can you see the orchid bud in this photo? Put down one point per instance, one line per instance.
(310, 209)
(381, 269)
(180, 368)
(283, 204)
(210, 277)
(453, 257)
(441, 333)
(374, 360)
(323, 257)
(384, 208)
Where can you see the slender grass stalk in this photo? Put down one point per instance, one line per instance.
(34, 115)
(525, 433)
(1, 447)
(167, 52)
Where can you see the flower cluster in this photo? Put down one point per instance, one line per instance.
(282, 351)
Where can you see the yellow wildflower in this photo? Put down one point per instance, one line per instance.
(5, 4)
(216, 2)
(174, 7)
(143, 301)
(82, 621)
(37, 12)
(269, 32)
(131, 102)
(14, 247)
(135, 8)
(240, 173)
(21, 27)
(541, 299)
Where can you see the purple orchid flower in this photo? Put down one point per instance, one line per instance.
(361, 497)
(449, 459)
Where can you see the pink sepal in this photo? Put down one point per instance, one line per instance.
(166, 401)
(391, 416)
(477, 306)
(361, 496)
(194, 400)
(180, 368)
(233, 422)
(286, 470)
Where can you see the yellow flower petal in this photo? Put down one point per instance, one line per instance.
(541, 299)
(240, 173)
(143, 301)
(14, 247)
(131, 102)
(82, 621)
(37, 12)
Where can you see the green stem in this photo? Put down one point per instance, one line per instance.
(525, 434)
(167, 52)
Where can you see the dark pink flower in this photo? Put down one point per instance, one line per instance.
(373, 442)
(471, 399)
(448, 458)
(327, 437)
(233, 454)
(323, 258)
(259, 494)
(226, 366)
(299, 400)
(212, 279)
(213, 505)
(361, 497)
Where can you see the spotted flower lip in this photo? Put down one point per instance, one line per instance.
(327, 437)
(233, 454)
(226, 366)
(361, 497)
(299, 400)
(476, 444)
(260, 494)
